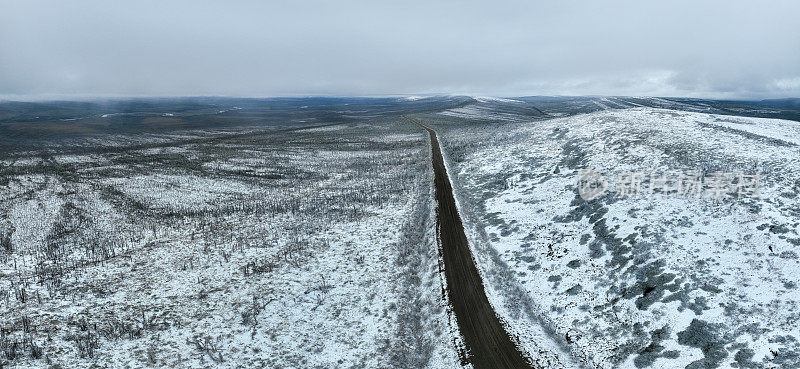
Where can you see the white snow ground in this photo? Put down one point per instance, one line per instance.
(311, 249)
(655, 281)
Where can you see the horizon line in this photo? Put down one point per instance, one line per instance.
(113, 97)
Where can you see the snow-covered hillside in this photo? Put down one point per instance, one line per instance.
(659, 280)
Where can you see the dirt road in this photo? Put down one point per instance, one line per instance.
(488, 343)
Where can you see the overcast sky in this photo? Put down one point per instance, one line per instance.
(728, 49)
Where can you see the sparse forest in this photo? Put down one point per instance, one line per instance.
(301, 248)
(311, 239)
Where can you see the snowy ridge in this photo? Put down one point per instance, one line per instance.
(651, 281)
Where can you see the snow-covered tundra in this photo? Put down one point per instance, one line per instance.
(668, 277)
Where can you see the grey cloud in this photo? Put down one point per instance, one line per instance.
(268, 48)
